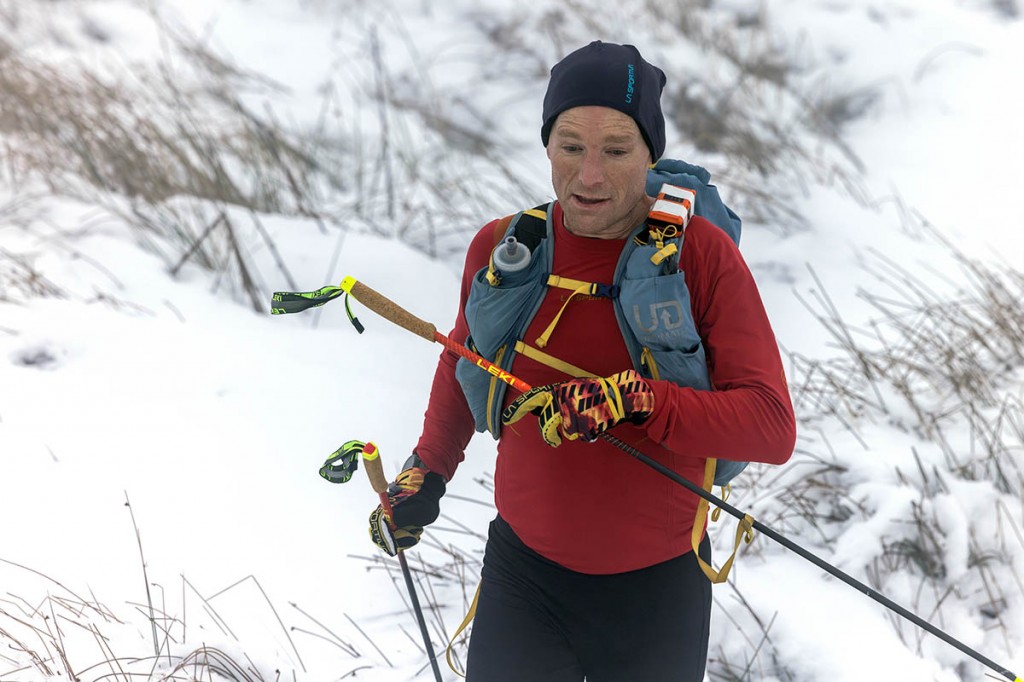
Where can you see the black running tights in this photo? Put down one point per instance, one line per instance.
(537, 621)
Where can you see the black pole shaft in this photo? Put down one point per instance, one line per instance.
(419, 615)
(813, 558)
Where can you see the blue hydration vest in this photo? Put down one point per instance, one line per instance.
(649, 295)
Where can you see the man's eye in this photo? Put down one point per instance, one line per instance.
(571, 147)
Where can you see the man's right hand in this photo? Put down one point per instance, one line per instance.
(414, 496)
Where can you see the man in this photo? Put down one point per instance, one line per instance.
(589, 569)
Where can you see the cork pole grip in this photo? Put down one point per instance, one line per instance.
(389, 310)
(376, 473)
(375, 470)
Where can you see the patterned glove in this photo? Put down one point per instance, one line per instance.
(414, 496)
(584, 408)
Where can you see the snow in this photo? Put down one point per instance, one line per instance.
(212, 420)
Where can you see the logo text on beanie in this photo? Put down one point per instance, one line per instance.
(630, 84)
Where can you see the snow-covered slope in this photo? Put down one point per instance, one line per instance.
(120, 382)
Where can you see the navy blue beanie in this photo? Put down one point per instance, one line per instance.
(609, 75)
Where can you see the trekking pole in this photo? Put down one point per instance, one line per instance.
(391, 311)
(338, 469)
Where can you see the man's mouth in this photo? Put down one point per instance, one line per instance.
(589, 201)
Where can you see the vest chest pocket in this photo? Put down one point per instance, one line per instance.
(482, 389)
(657, 310)
(494, 314)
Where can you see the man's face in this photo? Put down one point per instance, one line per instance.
(599, 164)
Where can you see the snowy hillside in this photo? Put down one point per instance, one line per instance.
(167, 165)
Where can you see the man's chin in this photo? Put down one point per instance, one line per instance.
(587, 212)
(583, 224)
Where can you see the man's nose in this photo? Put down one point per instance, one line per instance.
(592, 170)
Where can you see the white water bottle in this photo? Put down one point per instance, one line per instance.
(511, 256)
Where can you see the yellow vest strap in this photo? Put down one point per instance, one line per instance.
(458, 631)
(744, 531)
(569, 283)
(563, 283)
(551, 361)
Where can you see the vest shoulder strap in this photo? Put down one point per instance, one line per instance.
(530, 226)
(501, 226)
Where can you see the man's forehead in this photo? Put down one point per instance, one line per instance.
(611, 122)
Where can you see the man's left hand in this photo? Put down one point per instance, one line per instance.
(584, 408)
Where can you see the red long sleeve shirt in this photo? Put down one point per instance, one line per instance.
(589, 506)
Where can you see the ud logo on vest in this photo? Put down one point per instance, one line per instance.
(666, 314)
